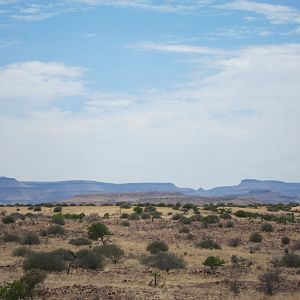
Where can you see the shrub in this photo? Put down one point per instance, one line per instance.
(58, 219)
(21, 251)
(157, 246)
(285, 240)
(99, 230)
(8, 220)
(226, 216)
(30, 239)
(190, 236)
(125, 223)
(269, 282)
(10, 237)
(54, 229)
(184, 229)
(255, 237)
(32, 278)
(112, 252)
(213, 262)
(106, 216)
(37, 208)
(208, 243)
(94, 217)
(80, 242)
(267, 228)
(145, 216)
(47, 261)
(57, 209)
(196, 218)
(89, 260)
(138, 209)
(164, 261)
(234, 242)
(211, 219)
(124, 216)
(229, 224)
(185, 220)
(134, 217)
(14, 291)
(176, 217)
(290, 260)
(64, 254)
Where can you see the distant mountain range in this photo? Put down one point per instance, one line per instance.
(12, 190)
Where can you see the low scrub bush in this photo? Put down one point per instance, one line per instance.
(184, 229)
(157, 246)
(164, 261)
(54, 230)
(8, 220)
(57, 209)
(30, 239)
(255, 237)
(14, 291)
(267, 228)
(125, 223)
(285, 240)
(21, 251)
(208, 243)
(58, 219)
(112, 252)
(89, 260)
(234, 242)
(124, 216)
(10, 237)
(290, 260)
(47, 261)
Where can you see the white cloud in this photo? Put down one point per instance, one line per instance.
(34, 79)
(242, 121)
(275, 13)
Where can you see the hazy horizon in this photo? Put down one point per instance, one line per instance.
(200, 93)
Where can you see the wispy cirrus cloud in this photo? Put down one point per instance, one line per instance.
(275, 13)
(178, 48)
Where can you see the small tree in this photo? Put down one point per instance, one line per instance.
(213, 262)
(99, 231)
(32, 278)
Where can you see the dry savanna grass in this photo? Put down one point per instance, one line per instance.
(129, 279)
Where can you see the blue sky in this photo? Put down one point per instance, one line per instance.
(198, 92)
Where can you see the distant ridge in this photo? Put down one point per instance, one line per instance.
(12, 190)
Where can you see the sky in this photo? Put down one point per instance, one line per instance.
(195, 92)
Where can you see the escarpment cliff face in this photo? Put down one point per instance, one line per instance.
(269, 191)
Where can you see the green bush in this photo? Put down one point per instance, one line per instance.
(8, 220)
(80, 242)
(211, 219)
(58, 219)
(138, 209)
(267, 228)
(47, 261)
(14, 291)
(164, 261)
(37, 208)
(30, 239)
(208, 243)
(89, 260)
(184, 220)
(112, 252)
(157, 246)
(145, 216)
(213, 262)
(255, 237)
(229, 224)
